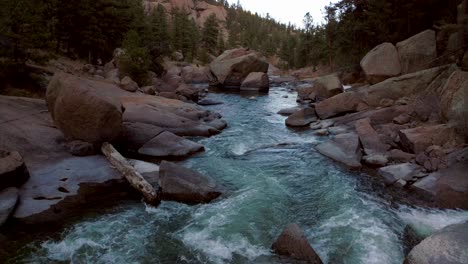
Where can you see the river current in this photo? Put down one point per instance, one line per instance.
(274, 177)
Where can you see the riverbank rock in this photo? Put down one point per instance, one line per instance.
(167, 144)
(404, 171)
(289, 111)
(13, 171)
(128, 84)
(194, 74)
(448, 245)
(293, 243)
(417, 52)
(344, 148)
(80, 148)
(256, 81)
(324, 87)
(454, 101)
(340, 104)
(370, 139)
(186, 186)
(417, 140)
(81, 111)
(8, 200)
(301, 118)
(381, 63)
(207, 102)
(232, 67)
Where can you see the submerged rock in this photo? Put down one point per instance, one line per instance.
(207, 101)
(302, 118)
(293, 243)
(448, 246)
(289, 111)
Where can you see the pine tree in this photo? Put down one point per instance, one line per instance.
(210, 34)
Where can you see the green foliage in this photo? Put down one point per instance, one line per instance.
(210, 34)
(135, 61)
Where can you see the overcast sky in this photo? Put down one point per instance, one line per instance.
(287, 10)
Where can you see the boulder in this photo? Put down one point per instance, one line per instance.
(150, 90)
(13, 171)
(324, 87)
(80, 148)
(136, 134)
(402, 119)
(454, 101)
(113, 76)
(8, 200)
(289, 111)
(448, 246)
(293, 243)
(256, 81)
(189, 92)
(417, 140)
(162, 87)
(232, 67)
(82, 111)
(344, 148)
(400, 156)
(172, 78)
(378, 160)
(370, 138)
(187, 186)
(418, 52)
(432, 159)
(128, 84)
(194, 74)
(452, 186)
(207, 101)
(302, 118)
(339, 105)
(404, 171)
(381, 63)
(167, 144)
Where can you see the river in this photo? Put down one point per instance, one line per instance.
(344, 215)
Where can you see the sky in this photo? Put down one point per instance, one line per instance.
(287, 10)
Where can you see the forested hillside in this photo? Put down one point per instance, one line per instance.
(92, 29)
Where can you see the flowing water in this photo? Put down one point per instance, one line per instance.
(274, 177)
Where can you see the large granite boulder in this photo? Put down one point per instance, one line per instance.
(323, 87)
(128, 84)
(394, 173)
(187, 186)
(8, 200)
(232, 67)
(344, 148)
(256, 81)
(302, 118)
(381, 63)
(340, 104)
(448, 246)
(370, 139)
(82, 111)
(454, 101)
(417, 140)
(13, 171)
(167, 144)
(418, 52)
(195, 74)
(293, 243)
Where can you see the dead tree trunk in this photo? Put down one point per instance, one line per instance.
(137, 181)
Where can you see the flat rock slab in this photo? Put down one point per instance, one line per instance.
(289, 111)
(417, 140)
(393, 173)
(167, 144)
(187, 186)
(344, 148)
(370, 138)
(8, 200)
(302, 118)
(293, 243)
(448, 246)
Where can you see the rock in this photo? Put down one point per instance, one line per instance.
(432, 159)
(167, 144)
(194, 74)
(293, 243)
(232, 67)
(324, 87)
(173, 78)
(13, 171)
(169, 95)
(337, 130)
(445, 246)
(209, 102)
(370, 138)
(385, 102)
(8, 200)
(378, 160)
(150, 90)
(162, 87)
(402, 119)
(128, 84)
(289, 111)
(178, 56)
(381, 63)
(285, 96)
(190, 92)
(452, 186)
(321, 132)
(81, 110)
(417, 140)
(393, 173)
(402, 86)
(187, 186)
(339, 105)
(400, 183)
(454, 101)
(344, 148)
(302, 118)
(113, 75)
(418, 52)
(400, 156)
(256, 81)
(80, 148)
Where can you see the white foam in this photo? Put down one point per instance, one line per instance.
(239, 149)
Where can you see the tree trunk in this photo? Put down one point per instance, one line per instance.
(137, 181)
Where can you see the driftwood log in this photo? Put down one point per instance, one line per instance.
(135, 179)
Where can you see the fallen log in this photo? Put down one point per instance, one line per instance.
(135, 179)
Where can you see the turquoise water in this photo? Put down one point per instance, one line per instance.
(274, 177)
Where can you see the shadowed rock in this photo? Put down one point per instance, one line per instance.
(8, 200)
(167, 144)
(344, 148)
(302, 118)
